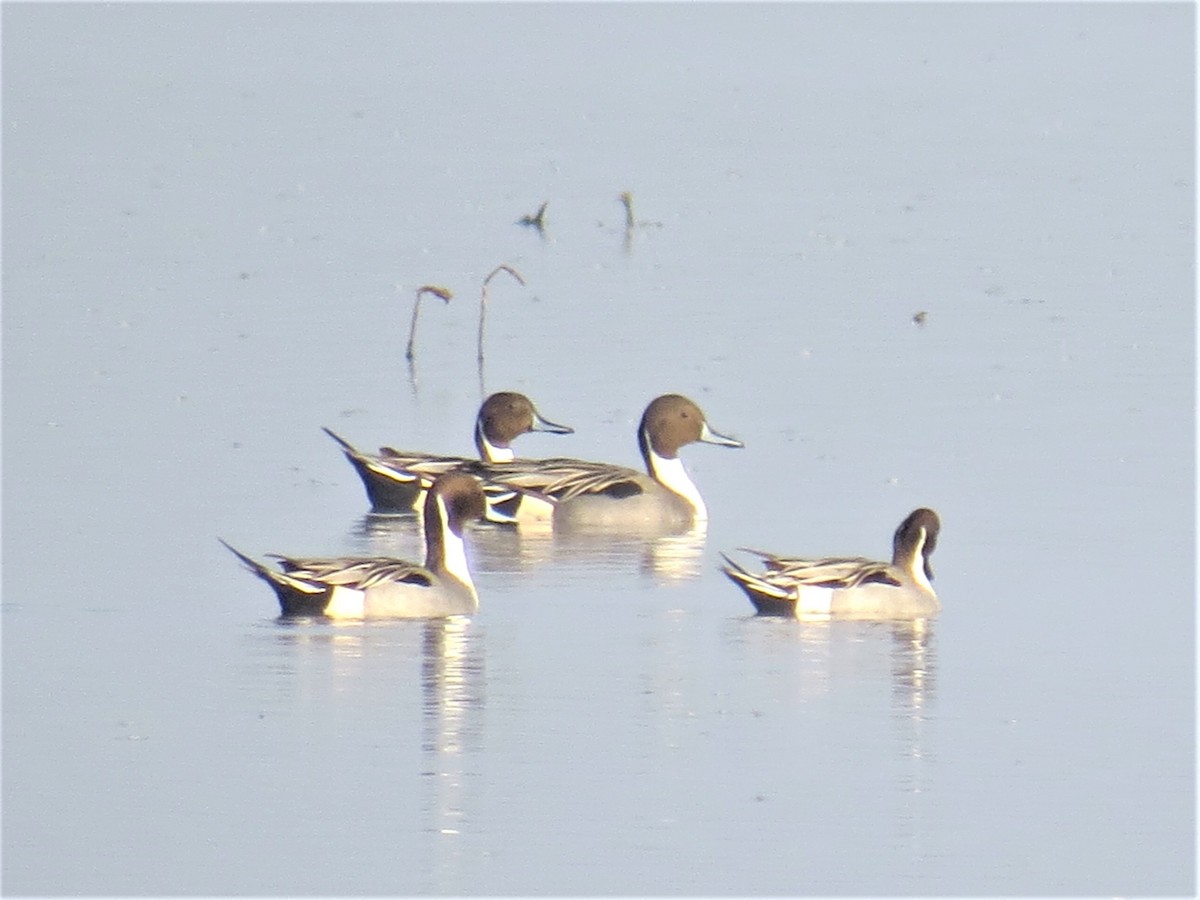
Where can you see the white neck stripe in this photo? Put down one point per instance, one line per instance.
(454, 554)
(671, 475)
(490, 451)
(918, 564)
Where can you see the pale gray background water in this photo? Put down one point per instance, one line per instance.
(214, 221)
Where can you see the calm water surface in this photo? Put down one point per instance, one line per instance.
(215, 220)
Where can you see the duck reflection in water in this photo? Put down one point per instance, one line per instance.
(453, 701)
(499, 549)
(833, 649)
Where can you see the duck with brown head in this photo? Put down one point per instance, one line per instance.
(396, 480)
(850, 587)
(384, 587)
(582, 495)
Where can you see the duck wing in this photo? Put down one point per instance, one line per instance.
(831, 572)
(355, 572)
(561, 479)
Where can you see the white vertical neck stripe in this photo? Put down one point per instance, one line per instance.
(671, 475)
(454, 553)
(918, 564)
(491, 452)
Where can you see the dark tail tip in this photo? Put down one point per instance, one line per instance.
(342, 442)
(249, 563)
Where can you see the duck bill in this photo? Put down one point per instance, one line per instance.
(708, 436)
(540, 424)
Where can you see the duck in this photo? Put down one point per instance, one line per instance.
(579, 495)
(396, 480)
(849, 587)
(385, 587)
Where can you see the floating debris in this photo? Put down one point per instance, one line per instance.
(632, 223)
(537, 220)
(626, 199)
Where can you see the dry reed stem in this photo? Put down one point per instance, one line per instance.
(483, 297)
(440, 292)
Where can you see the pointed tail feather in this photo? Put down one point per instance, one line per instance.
(252, 564)
(275, 579)
(296, 597)
(730, 566)
(735, 573)
(348, 448)
(755, 587)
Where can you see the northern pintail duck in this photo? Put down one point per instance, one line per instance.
(574, 493)
(849, 587)
(397, 479)
(357, 588)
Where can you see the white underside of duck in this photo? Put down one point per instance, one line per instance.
(346, 603)
(869, 601)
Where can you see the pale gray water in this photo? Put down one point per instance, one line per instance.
(214, 221)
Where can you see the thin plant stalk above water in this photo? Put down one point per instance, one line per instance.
(483, 297)
(440, 292)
